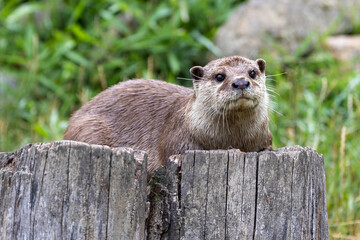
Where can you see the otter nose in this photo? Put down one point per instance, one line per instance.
(241, 84)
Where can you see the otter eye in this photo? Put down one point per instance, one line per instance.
(220, 77)
(252, 74)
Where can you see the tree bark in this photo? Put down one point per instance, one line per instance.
(71, 190)
(233, 195)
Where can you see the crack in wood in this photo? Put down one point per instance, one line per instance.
(66, 195)
(108, 197)
(291, 193)
(214, 195)
(227, 192)
(242, 190)
(38, 194)
(256, 195)
(207, 195)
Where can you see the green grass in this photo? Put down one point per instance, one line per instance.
(65, 52)
(319, 106)
(62, 53)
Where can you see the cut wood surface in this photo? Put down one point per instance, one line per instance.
(71, 190)
(232, 195)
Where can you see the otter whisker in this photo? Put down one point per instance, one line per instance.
(227, 122)
(270, 105)
(188, 79)
(270, 91)
(211, 113)
(223, 118)
(279, 74)
(270, 87)
(216, 113)
(272, 97)
(273, 110)
(217, 125)
(196, 76)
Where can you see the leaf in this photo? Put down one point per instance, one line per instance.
(40, 130)
(306, 44)
(77, 58)
(54, 118)
(206, 43)
(51, 85)
(23, 11)
(77, 12)
(81, 34)
(174, 62)
(161, 12)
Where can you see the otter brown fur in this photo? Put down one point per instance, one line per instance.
(166, 119)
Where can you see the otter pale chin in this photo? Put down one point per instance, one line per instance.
(228, 108)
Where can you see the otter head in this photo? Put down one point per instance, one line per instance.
(230, 84)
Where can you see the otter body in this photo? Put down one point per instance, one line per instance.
(228, 108)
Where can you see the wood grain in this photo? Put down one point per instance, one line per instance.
(233, 195)
(72, 190)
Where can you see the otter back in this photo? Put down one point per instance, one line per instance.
(227, 109)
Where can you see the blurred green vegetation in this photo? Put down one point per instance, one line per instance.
(56, 55)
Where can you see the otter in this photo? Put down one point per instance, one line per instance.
(227, 108)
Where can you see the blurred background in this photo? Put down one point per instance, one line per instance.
(56, 55)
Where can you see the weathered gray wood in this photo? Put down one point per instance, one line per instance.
(98, 192)
(233, 195)
(164, 221)
(194, 194)
(71, 190)
(274, 202)
(53, 191)
(241, 195)
(216, 202)
(122, 222)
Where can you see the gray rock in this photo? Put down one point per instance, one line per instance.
(344, 47)
(258, 24)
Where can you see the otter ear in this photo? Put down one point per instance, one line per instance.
(197, 72)
(261, 63)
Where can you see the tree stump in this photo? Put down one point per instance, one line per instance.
(233, 195)
(71, 190)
